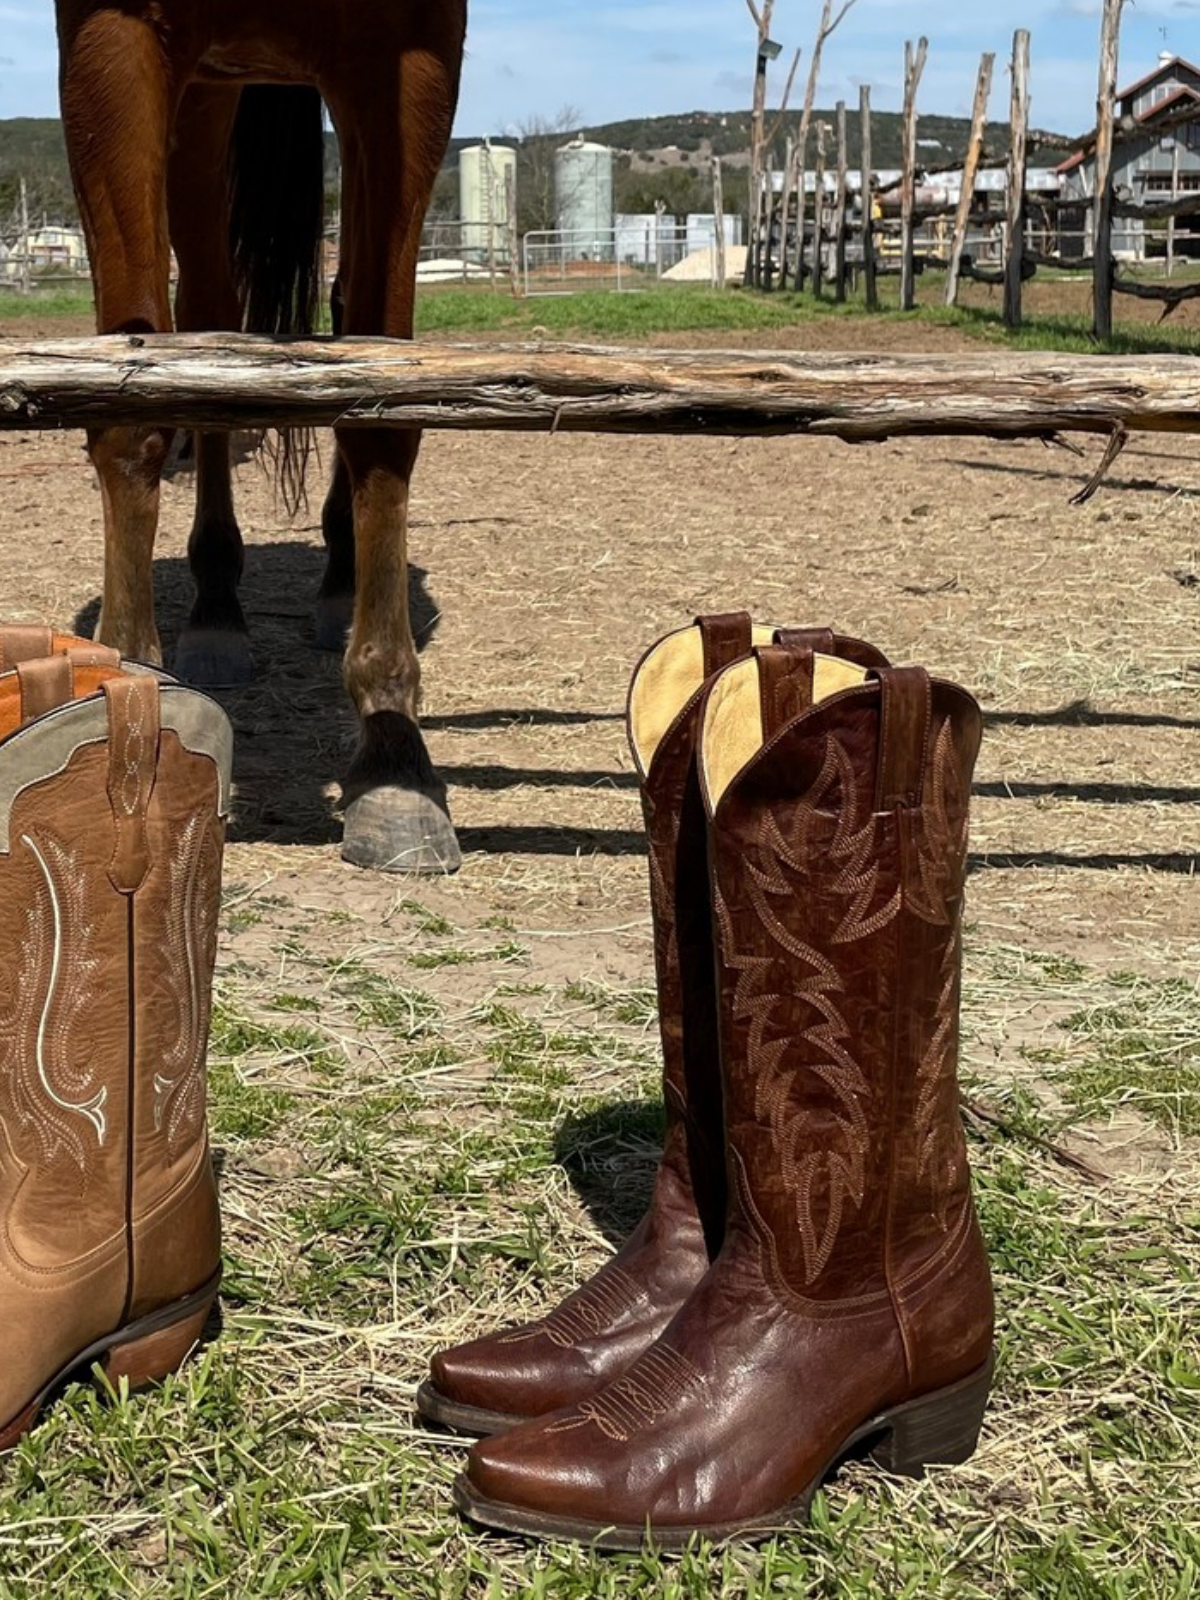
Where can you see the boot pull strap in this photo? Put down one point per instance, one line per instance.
(45, 683)
(19, 643)
(133, 732)
(93, 655)
(727, 637)
(820, 640)
(906, 710)
(785, 686)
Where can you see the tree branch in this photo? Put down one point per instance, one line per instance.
(849, 5)
(787, 95)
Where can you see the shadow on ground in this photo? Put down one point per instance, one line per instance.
(294, 725)
(610, 1155)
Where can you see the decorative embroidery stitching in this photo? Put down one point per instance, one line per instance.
(43, 1057)
(652, 1388)
(188, 952)
(935, 893)
(835, 1173)
(589, 1312)
(941, 1150)
(133, 754)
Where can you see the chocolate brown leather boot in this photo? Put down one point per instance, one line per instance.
(113, 789)
(850, 1305)
(597, 1332)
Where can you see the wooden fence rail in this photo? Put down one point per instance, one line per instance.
(227, 381)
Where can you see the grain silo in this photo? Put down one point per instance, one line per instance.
(583, 174)
(484, 174)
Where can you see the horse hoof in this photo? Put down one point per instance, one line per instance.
(401, 830)
(214, 658)
(331, 624)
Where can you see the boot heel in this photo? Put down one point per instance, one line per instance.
(942, 1429)
(156, 1355)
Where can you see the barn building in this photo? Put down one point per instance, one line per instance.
(1156, 158)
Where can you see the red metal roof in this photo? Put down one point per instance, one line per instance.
(1183, 93)
(1157, 72)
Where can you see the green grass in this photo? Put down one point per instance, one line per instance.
(683, 309)
(401, 1168)
(1138, 1050)
(46, 303)
(676, 309)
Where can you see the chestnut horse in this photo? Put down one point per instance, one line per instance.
(199, 127)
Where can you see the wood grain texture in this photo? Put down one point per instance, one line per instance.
(228, 381)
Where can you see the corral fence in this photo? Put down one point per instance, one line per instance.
(637, 252)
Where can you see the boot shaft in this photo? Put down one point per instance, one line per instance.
(666, 700)
(111, 829)
(838, 804)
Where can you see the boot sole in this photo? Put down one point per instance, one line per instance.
(143, 1352)
(939, 1429)
(477, 1423)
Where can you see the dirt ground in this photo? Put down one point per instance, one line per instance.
(543, 567)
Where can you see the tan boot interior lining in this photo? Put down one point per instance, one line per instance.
(666, 681)
(733, 726)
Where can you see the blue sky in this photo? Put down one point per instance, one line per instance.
(628, 58)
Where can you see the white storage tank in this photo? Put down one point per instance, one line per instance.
(484, 173)
(583, 174)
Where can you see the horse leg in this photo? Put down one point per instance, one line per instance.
(117, 102)
(395, 805)
(335, 599)
(214, 648)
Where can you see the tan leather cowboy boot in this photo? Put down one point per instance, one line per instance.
(113, 789)
(851, 1302)
(20, 642)
(599, 1330)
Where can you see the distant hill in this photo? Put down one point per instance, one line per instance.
(659, 158)
(698, 135)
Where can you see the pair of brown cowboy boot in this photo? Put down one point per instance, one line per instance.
(114, 785)
(809, 1278)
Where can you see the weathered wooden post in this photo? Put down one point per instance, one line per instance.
(827, 25)
(718, 222)
(1014, 256)
(765, 273)
(818, 267)
(760, 138)
(839, 215)
(26, 277)
(868, 204)
(1102, 195)
(232, 381)
(510, 228)
(914, 66)
(966, 198)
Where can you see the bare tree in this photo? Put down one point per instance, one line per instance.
(914, 66)
(761, 138)
(1102, 193)
(541, 137)
(830, 21)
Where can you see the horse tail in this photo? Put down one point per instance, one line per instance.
(277, 227)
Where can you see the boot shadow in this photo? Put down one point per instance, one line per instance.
(610, 1155)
